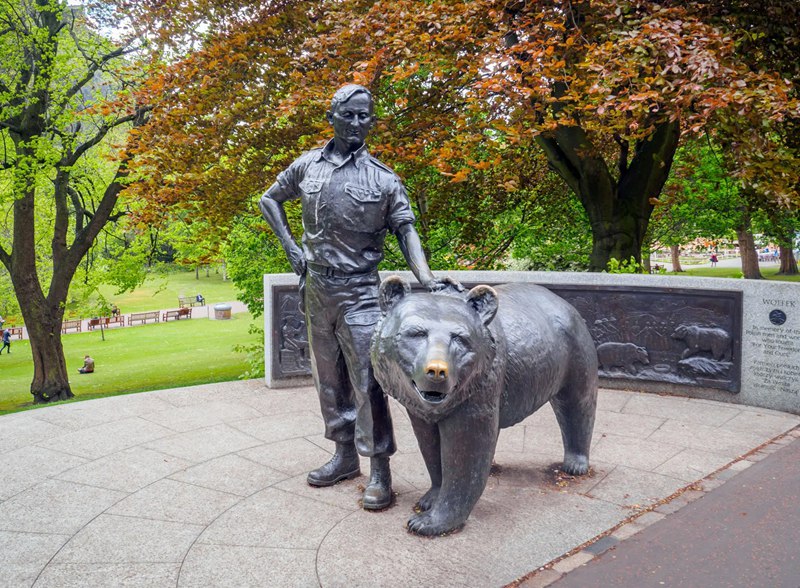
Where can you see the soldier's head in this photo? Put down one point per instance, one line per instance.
(351, 115)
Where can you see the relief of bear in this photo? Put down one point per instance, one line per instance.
(624, 355)
(698, 339)
(466, 366)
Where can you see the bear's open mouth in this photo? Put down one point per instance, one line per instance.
(430, 396)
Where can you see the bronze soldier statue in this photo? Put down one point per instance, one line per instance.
(350, 200)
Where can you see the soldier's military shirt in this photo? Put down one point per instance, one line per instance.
(347, 208)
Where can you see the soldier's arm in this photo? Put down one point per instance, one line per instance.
(411, 246)
(271, 206)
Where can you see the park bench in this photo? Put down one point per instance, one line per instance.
(71, 324)
(177, 314)
(105, 321)
(118, 320)
(15, 331)
(143, 317)
(184, 301)
(95, 322)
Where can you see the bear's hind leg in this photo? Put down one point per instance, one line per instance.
(427, 435)
(575, 407)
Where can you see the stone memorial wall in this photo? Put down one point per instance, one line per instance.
(722, 339)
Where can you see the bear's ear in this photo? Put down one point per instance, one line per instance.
(392, 290)
(484, 300)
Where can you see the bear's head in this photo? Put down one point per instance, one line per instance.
(431, 350)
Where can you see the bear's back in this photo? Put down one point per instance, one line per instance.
(543, 337)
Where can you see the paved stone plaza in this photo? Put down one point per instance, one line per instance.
(205, 486)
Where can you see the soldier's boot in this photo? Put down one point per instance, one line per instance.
(344, 465)
(378, 493)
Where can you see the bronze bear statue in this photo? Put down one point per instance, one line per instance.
(466, 365)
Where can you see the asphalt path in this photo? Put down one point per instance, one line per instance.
(746, 533)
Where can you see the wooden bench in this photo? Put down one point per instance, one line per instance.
(14, 331)
(143, 317)
(71, 324)
(118, 320)
(95, 322)
(190, 301)
(177, 314)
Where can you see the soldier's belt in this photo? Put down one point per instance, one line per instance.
(329, 272)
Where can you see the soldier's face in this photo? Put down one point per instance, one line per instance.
(352, 119)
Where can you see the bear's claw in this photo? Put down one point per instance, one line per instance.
(575, 465)
(428, 499)
(428, 524)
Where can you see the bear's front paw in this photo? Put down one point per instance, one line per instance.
(431, 523)
(575, 464)
(428, 499)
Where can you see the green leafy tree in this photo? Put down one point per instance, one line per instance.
(64, 95)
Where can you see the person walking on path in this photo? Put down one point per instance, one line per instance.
(714, 260)
(350, 200)
(6, 341)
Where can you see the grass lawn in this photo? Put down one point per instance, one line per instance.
(162, 291)
(135, 359)
(769, 273)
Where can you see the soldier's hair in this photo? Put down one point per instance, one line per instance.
(346, 92)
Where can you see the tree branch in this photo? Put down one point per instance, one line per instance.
(649, 168)
(624, 149)
(72, 158)
(559, 162)
(95, 66)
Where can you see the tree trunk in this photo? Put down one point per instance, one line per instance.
(50, 379)
(42, 319)
(747, 249)
(788, 262)
(646, 266)
(675, 252)
(619, 209)
(615, 235)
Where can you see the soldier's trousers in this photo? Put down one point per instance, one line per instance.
(341, 313)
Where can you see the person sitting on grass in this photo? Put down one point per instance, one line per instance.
(88, 365)
(6, 341)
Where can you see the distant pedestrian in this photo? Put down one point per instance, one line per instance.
(114, 310)
(88, 365)
(2, 321)
(200, 299)
(6, 341)
(714, 260)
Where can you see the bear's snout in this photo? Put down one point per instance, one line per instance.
(436, 371)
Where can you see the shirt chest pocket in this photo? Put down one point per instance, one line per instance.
(364, 207)
(362, 193)
(310, 186)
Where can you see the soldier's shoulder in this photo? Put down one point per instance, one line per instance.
(379, 164)
(310, 155)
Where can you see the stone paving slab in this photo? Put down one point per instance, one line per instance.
(205, 486)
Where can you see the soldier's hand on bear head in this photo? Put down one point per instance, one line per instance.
(441, 284)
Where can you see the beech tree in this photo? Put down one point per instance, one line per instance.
(63, 96)
(468, 94)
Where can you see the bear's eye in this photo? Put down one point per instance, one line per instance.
(415, 332)
(460, 340)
